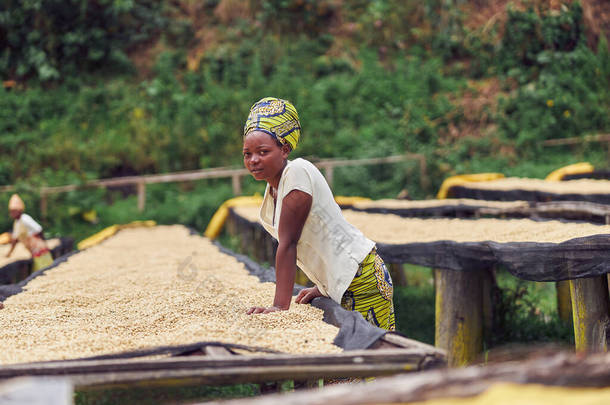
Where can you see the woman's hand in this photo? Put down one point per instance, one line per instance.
(307, 294)
(263, 310)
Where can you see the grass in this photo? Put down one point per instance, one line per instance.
(164, 395)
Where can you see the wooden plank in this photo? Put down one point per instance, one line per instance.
(329, 175)
(212, 173)
(577, 140)
(231, 369)
(141, 186)
(217, 351)
(406, 343)
(37, 391)
(235, 375)
(198, 362)
(459, 315)
(591, 313)
(236, 184)
(562, 369)
(564, 301)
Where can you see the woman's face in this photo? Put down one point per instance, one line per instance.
(15, 214)
(263, 157)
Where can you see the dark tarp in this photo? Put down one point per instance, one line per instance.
(597, 174)
(524, 195)
(354, 331)
(576, 258)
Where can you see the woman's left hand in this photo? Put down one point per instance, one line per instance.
(263, 310)
(307, 294)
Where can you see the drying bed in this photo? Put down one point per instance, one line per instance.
(148, 287)
(525, 189)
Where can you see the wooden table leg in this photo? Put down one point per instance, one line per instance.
(591, 313)
(564, 301)
(459, 315)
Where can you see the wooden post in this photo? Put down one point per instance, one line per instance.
(328, 173)
(591, 313)
(397, 272)
(459, 315)
(231, 226)
(564, 301)
(423, 173)
(43, 204)
(236, 183)
(141, 196)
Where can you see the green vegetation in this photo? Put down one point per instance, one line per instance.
(526, 312)
(158, 395)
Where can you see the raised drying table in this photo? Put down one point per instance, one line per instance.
(526, 189)
(470, 208)
(121, 311)
(547, 378)
(465, 250)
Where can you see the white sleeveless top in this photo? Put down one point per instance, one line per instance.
(330, 249)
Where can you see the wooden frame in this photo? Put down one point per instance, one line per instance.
(463, 302)
(327, 165)
(393, 354)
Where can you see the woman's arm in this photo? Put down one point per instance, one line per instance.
(295, 209)
(13, 243)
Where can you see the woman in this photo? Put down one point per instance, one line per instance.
(300, 212)
(28, 232)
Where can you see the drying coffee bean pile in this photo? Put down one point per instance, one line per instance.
(581, 186)
(393, 229)
(147, 287)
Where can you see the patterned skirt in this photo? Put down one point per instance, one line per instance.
(42, 261)
(370, 292)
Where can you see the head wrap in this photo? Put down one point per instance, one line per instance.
(16, 203)
(276, 117)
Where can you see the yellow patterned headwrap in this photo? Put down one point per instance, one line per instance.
(276, 117)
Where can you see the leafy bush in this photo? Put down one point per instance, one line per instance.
(523, 314)
(528, 33)
(54, 39)
(564, 84)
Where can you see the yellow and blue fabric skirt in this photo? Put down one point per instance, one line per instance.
(42, 260)
(370, 292)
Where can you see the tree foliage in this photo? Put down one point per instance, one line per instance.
(52, 39)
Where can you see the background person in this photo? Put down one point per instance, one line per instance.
(299, 211)
(28, 232)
